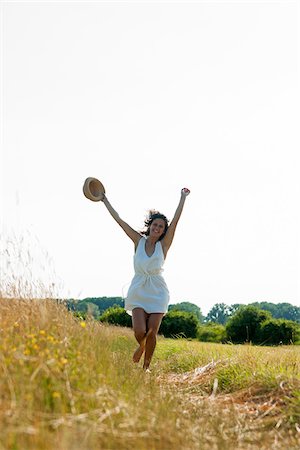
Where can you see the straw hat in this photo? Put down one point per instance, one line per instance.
(93, 189)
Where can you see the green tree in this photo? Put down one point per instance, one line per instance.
(211, 332)
(93, 310)
(81, 306)
(288, 312)
(102, 303)
(280, 310)
(179, 324)
(188, 307)
(219, 313)
(235, 307)
(244, 325)
(278, 331)
(116, 316)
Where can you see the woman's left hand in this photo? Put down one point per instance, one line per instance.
(185, 192)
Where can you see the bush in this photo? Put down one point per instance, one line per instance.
(188, 307)
(179, 324)
(212, 332)
(80, 315)
(116, 316)
(244, 325)
(278, 331)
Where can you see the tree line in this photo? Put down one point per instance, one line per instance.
(220, 313)
(259, 322)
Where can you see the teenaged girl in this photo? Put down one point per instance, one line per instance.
(148, 296)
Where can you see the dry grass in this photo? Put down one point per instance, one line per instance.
(67, 384)
(26, 269)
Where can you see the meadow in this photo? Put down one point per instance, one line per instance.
(68, 384)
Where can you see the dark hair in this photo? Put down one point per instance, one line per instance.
(152, 215)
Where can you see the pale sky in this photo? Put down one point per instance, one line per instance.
(150, 97)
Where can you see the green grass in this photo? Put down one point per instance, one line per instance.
(66, 384)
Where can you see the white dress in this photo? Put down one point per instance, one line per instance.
(148, 289)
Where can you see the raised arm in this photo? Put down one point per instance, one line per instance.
(134, 235)
(168, 239)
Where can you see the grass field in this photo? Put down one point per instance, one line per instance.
(67, 384)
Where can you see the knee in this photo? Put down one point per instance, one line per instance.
(152, 333)
(139, 333)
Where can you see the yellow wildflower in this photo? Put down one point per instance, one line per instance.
(55, 394)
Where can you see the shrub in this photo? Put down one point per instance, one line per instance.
(244, 325)
(80, 315)
(188, 307)
(212, 332)
(278, 331)
(116, 316)
(179, 324)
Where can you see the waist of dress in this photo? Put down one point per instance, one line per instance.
(148, 276)
(148, 279)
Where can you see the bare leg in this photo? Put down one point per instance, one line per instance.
(139, 324)
(154, 322)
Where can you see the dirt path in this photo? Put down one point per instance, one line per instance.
(251, 418)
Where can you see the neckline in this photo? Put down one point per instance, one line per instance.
(146, 251)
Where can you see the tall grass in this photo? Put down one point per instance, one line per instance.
(68, 384)
(26, 269)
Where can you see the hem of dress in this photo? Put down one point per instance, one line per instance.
(129, 311)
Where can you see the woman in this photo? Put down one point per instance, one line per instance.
(148, 296)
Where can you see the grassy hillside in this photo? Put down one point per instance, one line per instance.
(67, 384)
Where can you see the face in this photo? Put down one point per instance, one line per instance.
(157, 228)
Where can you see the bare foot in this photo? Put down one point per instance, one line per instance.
(146, 366)
(138, 353)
